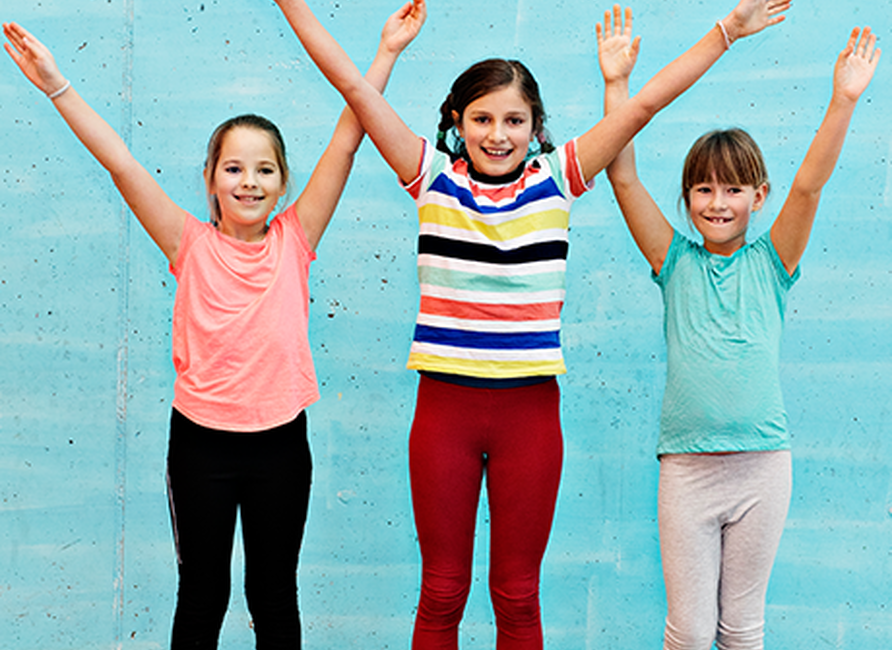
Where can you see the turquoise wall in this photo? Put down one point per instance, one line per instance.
(86, 557)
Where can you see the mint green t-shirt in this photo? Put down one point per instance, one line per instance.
(723, 319)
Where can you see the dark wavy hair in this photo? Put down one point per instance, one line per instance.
(481, 79)
(731, 154)
(215, 144)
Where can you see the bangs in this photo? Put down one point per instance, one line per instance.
(731, 155)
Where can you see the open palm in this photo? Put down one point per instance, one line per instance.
(856, 64)
(404, 25)
(617, 50)
(33, 58)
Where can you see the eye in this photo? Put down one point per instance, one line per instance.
(267, 171)
(480, 119)
(516, 121)
(232, 169)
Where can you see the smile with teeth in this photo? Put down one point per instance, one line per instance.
(718, 219)
(497, 153)
(248, 199)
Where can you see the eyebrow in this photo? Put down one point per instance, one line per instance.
(239, 161)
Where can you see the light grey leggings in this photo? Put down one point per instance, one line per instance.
(721, 517)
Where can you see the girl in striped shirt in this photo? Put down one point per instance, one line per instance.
(493, 199)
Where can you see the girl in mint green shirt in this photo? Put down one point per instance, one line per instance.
(725, 472)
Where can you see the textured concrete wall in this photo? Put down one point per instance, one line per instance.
(86, 558)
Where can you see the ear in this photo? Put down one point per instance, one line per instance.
(456, 121)
(761, 196)
(208, 181)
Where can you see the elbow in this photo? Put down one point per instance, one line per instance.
(640, 110)
(621, 179)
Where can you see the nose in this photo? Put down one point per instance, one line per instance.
(497, 132)
(249, 179)
(718, 199)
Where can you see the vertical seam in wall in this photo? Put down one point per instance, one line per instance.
(123, 290)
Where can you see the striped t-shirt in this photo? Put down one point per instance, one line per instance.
(491, 266)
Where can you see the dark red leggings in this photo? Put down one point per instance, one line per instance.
(513, 437)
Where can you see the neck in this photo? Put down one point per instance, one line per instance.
(510, 177)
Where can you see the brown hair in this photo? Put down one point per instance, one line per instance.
(215, 145)
(731, 154)
(481, 79)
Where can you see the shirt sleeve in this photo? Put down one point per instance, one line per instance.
(784, 278)
(678, 241)
(290, 223)
(192, 229)
(416, 186)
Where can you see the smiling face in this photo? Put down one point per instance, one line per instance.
(724, 181)
(497, 129)
(721, 213)
(247, 181)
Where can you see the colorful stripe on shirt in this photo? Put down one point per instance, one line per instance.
(491, 267)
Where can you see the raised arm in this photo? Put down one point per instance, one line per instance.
(852, 73)
(158, 214)
(598, 146)
(617, 54)
(320, 197)
(399, 146)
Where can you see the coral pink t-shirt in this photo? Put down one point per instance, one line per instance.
(240, 318)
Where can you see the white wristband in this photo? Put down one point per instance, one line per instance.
(721, 26)
(58, 93)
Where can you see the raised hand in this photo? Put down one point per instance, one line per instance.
(751, 16)
(403, 26)
(617, 50)
(855, 65)
(33, 58)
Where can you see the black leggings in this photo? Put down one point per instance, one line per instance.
(212, 475)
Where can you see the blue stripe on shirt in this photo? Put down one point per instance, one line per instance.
(488, 340)
(443, 185)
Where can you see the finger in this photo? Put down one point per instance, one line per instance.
(19, 32)
(16, 57)
(871, 52)
(23, 40)
(617, 20)
(628, 29)
(599, 35)
(11, 51)
(852, 44)
(12, 35)
(866, 37)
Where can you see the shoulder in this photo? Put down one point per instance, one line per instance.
(193, 231)
(563, 163)
(763, 248)
(680, 248)
(432, 163)
(287, 226)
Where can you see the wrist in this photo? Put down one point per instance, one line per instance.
(732, 29)
(59, 91)
(617, 83)
(726, 35)
(387, 53)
